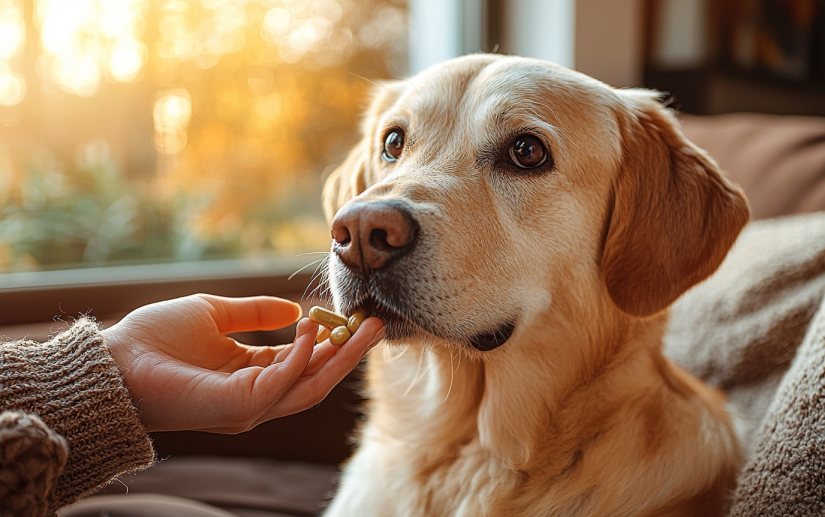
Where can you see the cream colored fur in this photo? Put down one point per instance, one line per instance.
(578, 413)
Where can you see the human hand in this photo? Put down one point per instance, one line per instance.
(182, 372)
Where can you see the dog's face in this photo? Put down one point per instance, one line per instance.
(491, 191)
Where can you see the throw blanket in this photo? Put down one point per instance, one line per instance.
(756, 329)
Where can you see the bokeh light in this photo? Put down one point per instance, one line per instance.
(12, 86)
(12, 29)
(12, 39)
(171, 114)
(155, 130)
(87, 41)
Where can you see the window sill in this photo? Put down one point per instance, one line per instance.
(109, 292)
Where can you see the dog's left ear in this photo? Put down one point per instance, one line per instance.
(674, 216)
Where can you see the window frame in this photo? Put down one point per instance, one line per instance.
(111, 292)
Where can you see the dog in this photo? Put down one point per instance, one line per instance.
(521, 229)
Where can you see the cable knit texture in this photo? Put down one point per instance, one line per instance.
(32, 456)
(74, 386)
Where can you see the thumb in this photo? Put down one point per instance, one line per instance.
(252, 313)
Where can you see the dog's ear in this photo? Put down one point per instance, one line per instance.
(674, 216)
(354, 175)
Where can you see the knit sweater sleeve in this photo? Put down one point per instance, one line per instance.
(75, 388)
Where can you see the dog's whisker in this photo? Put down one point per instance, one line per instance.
(321, 274)
(320, 267)
(304, 267)
(404, 350)
(377, 85)
(417, 372)
(452, 376)
(312, 279)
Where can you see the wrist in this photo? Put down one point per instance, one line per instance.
(114, 342)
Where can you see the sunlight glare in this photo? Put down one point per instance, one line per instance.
(275, 23)
(12, 31)
(83, 78)
(126, 61)
(171, 113)
(12, 87)
(86, 38)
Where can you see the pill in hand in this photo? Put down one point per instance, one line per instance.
(356, 320)
(339, 335)
(323, 334)
(342, 328)
(326, 318)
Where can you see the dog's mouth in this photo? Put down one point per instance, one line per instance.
(487, 341)
(399, 326)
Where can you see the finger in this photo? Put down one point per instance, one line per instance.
(256, 389)
(276, 379)
(325, 351)
(252, 313)
(266, 355)
(347, 356)
(316, 386)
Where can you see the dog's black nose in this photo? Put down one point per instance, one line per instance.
(368, 234)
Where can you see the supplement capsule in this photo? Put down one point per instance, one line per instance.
(326, 318)
(356, 320)
(323, 334)
(339, 335)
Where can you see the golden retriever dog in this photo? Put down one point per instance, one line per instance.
(521, 229)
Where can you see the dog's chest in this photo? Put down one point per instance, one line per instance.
(392, 480)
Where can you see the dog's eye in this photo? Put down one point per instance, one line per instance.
(393, 145)
(528, 152)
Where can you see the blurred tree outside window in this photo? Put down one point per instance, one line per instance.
(174, 130)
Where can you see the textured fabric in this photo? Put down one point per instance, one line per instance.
(739, 330)
(753, 329)
(778, 160)
(72, 383)
(786, 474)
(32, 456)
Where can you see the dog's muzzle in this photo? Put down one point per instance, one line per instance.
(374, 241)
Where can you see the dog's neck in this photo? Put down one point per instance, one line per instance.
(508, 399)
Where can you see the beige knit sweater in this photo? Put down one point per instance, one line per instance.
(67, 424)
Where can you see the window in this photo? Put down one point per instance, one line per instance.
(135, 131)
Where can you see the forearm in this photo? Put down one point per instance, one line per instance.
(75, 387)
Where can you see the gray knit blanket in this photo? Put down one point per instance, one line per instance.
(756, 329)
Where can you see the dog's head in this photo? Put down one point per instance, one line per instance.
(489, 191)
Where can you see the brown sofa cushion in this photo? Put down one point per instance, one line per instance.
(778, 160)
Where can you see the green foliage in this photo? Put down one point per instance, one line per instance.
(93, 215)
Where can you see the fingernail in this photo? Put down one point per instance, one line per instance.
(300, 309)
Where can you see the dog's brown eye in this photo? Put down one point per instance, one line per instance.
(528, 152)
(393, 145)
